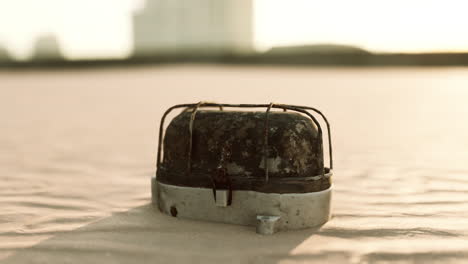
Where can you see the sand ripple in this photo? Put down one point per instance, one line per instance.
(77, 150)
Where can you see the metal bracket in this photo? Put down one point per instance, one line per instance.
(266, 224)
(222, 186)
(222, 198)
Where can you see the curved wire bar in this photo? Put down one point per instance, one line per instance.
(189, 154)
(265, 143)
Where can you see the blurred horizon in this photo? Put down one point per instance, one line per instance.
(104, 29)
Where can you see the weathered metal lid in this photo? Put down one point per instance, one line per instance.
(265, 151)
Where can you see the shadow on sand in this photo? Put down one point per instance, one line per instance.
(143, 235)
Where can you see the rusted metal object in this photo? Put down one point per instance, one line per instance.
(229, 152)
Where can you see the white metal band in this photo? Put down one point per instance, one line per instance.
(295, 210)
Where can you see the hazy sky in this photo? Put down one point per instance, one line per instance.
(89, 28)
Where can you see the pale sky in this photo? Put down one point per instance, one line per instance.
(102, 28)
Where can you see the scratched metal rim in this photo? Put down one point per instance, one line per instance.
(197, 203)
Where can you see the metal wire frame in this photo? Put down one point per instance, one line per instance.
(300, 109)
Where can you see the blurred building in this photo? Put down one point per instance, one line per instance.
(194, 26)
(47, 48)
(4, 55)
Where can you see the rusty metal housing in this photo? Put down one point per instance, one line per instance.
(263, 168)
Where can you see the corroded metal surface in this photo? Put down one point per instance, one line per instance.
(226, 149)
(294, 210)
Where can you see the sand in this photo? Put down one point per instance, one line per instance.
(77, 150)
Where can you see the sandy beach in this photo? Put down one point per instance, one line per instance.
(78, 149)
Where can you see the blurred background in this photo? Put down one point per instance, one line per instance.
(361, 32)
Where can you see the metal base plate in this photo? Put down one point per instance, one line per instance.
(287, 211)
